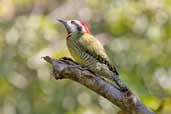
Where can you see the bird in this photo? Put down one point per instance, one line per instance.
(89, 52)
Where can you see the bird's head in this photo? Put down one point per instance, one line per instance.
(74, 26)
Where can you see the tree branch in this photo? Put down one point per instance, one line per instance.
(66, 68)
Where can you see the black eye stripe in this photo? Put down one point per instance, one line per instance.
(72, 22)
(79, 28)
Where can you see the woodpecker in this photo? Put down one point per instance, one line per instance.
(89, 52)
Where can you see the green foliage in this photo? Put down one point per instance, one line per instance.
(137, 36)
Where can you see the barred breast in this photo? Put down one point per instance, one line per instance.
(85, 58)
(94, 62)
(80, 56)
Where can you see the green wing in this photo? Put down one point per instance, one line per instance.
(95, 49)
(92, 45)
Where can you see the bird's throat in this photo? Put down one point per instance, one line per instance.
(69, 35)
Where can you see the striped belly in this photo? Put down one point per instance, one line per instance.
(88, 61)
(81, 56)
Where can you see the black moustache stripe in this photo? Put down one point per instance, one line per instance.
(79, 28)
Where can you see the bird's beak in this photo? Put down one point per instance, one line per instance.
(62, 21)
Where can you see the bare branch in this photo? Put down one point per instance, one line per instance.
(66, 68)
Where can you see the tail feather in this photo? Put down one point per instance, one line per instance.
(115, 76)
(119, 82)
(110, 66)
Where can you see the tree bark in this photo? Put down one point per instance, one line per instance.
(66, 68)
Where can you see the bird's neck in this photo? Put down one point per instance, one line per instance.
(75, 35)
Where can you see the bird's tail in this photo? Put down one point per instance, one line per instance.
(115, 77)
(119, 83)
(115, 74)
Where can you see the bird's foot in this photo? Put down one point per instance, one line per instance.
(124, 89)
(127, 93)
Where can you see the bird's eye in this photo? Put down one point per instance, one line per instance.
(72, 21)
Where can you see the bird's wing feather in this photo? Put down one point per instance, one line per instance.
(93, 46)
(96, 49)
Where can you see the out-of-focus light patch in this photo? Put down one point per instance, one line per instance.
(154, 33)
(37, 61)
(93, 3)
(7, 10)
(89, 112)
(102, 112)
(48, 89)
(68, 103)
(31, 29)
(112, 16)
(18, 80)
(51, 34)
(75, 87)
(84, 99)
(9, 106)
(85, 14)
(119, 45)
(69, 7)
(106, 105)
(23, 105)
(140, 59)
(59, 45)
(33, 22)
(163, 77)
(154, 4)
(2, 44)
(104, 38)
(161, 17)
(156, 49)
(25, 50)
(29, 35)
(123, 3)
(5, 87)
(1, 110)
(151, 101)
(43, 73)
(169, 45)
(12, 36)
(20, 22)
(141, 24)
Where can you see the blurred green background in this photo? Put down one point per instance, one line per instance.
(136, 35)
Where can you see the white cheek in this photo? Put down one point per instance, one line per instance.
(73, 28)
(83, 29)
